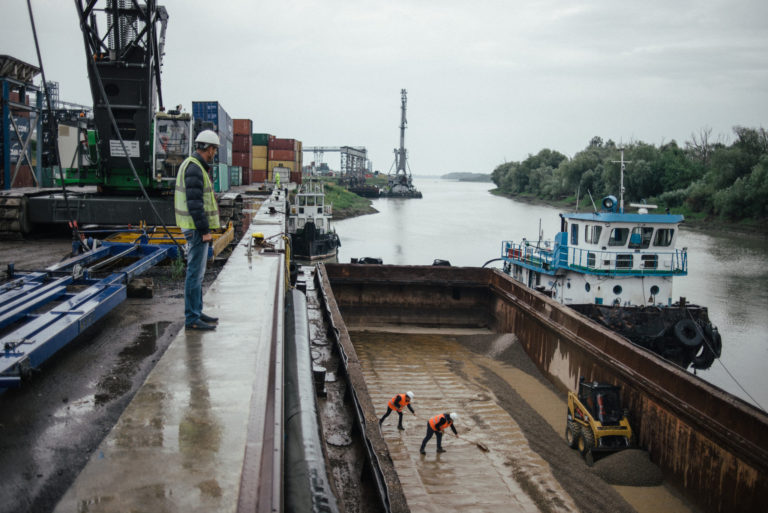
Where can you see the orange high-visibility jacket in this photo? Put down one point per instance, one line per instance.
(404, 401)
(434, 421)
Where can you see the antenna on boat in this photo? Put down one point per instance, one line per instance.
(621, 183)
(592, 200)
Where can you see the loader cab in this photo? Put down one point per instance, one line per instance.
(602, 400)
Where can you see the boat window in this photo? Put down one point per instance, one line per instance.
(592, 234)
(617, 289)
(654, 290)
(587, 287)
(575, 234)
(591, 260)
(624, 261)
(664, 237)
(640, 238)
(618, 237)
(650, 261)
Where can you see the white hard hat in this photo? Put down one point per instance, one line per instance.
(208, 137)
(454, 416)
(409, 394)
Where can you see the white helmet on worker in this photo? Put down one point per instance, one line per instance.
(207, 138)
(409, 394)
(454, 416)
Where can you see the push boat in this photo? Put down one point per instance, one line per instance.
(309, 224)
(617, 268)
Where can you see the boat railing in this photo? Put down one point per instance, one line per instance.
(621, 261)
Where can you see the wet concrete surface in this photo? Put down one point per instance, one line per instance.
(50, 426)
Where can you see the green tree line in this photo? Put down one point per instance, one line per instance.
(704, 178)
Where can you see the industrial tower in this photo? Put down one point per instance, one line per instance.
(400, 183)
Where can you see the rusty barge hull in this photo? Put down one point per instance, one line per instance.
(710, 444)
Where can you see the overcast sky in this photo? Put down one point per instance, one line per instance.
(487, 81)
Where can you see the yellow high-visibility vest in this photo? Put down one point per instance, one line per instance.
(183, 217)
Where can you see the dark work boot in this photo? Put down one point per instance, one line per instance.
(422, 451)
(440, 449)
(400, 427)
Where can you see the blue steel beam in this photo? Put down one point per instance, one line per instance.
(21, 306)
(43, 335)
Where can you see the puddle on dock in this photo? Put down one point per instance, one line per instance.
(118, 380)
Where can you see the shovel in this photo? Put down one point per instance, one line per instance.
(480, 445)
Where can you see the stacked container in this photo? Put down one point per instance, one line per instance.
(259, 156)
(284, 154)
(214, 113)
(241, 150)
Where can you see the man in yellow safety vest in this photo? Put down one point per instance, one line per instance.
(197, 214)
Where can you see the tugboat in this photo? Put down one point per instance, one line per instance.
(617, 268)
(309, 224)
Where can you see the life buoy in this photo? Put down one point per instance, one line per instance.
(513, 253)
(688, 333)
(713, 347)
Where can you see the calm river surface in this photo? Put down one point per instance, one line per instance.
(463, 223)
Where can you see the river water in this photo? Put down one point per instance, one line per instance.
(462, 222)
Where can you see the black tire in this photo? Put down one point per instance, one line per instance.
(572, 433)
(688, 333)
(589, 458)
(586, 442)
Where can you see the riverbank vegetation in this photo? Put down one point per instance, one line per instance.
(346, 204)
(702, 179)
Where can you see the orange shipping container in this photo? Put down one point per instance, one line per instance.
(258, 175)
(282, 144)
(242, 127)
(241, 143)
(282, 155)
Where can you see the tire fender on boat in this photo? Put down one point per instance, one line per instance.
(713, 347)
(688, 333)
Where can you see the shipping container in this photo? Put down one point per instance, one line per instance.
(259, 162)
(282, 144)
(260, 151)
(220, 177)
(296, 177)
(260, 139)
(241, 143)
(272, 164)
(245, 175)
(282, 155)
(242, 159)
(258, 175)
(215, 113)
(242, 127)
(235, 176)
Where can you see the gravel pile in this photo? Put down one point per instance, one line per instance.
(631, 467)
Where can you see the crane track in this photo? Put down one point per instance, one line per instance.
(14, 222)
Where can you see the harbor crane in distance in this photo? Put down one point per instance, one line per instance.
(400, 184)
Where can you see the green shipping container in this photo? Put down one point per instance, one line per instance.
(234, 175)
(259, 139)
(220, 177)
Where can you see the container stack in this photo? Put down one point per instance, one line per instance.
(217, 119)
(242, 153)
(259, 154)
(285, 156)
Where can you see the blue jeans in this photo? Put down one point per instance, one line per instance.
(197, 257)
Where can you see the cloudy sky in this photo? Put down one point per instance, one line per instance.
(487, 81)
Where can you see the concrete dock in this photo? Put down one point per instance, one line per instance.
(199, 434)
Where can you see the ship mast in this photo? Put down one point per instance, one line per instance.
(621, 179)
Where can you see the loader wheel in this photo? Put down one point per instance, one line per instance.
(586, 442)
(572, 433)
(589, 458)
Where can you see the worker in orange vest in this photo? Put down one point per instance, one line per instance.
(436, 426)
(397, 404)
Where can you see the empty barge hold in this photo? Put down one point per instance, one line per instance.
(711, 445)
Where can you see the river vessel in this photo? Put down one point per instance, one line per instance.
(309, 223)
(617, 268)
